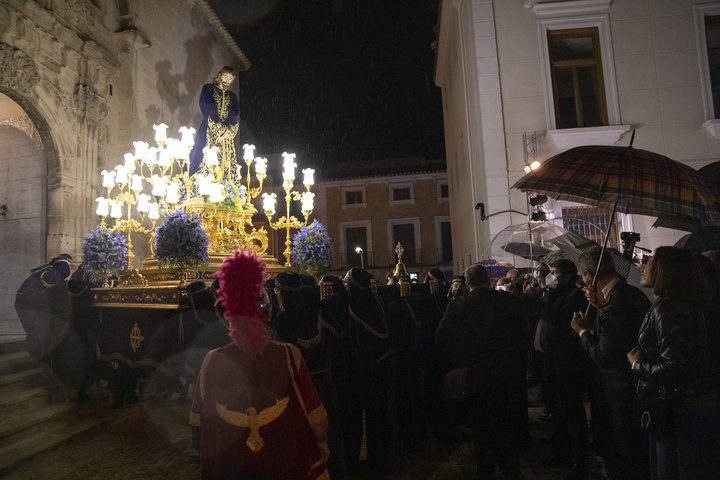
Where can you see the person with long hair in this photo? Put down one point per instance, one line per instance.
(670, 364)
(259, 414)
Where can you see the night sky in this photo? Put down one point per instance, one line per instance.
(336, 81)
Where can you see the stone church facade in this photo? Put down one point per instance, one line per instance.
(80, 80)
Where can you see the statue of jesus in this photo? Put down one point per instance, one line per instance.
(221, 117)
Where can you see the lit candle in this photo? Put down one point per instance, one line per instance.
(140, 150)
(129, 163)
(151, 156)
(172, 195)
(205, 184)
(289, 166)
(187, 136)
(108, 178)
(159, 185)
(182, 150)
(261, 166)
(216, 193)
(269, 200)
(249, 149)
(116, 209)
(154, 213)
(137, 184)
(103, 207)
(160, 132)
(307, 201)
(211, 156)
(120, 175)
(165, 157)
(143, 205)
(308, 172)
(172, 147)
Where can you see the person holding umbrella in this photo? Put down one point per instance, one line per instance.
(670, 362)
(606, 339)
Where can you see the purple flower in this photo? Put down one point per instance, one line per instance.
(311, 251)
(181, 240)
(104, 252)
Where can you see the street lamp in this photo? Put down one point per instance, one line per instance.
(360, 251)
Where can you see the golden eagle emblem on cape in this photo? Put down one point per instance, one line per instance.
(253, 420)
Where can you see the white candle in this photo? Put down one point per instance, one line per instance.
(154, 211)
(309, 173)
(140, 150)
(211, 156)
(108, 178)
(307, 201)
(261, 166)
(269, 200)
(216, 193)
(159, 185)
(151, 156)
(160, 132)
(143, 204)
(205, 184)
(172, 193)
(120, 175)
(116, 209)
(103, 207)
(165, 157)
(248, 151)
(136, 183)
(187, 136)
(289, 166)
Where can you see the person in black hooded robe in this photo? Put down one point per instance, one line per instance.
(371, 438)
(299, 322)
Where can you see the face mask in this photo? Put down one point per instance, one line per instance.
(551, 281)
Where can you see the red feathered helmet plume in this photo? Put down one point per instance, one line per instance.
(241, 287)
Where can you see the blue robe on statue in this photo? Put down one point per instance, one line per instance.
(221, 118)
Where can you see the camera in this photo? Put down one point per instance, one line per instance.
(413, 276)
(500, 288)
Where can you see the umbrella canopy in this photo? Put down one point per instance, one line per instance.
(707, 238)
(496, 268)
(515, 242)
(572, 245)
(638, 181)
(527, 250)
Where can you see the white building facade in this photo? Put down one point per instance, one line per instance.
(523, 80)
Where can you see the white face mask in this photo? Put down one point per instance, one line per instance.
(551, 281)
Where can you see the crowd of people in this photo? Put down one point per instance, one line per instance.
(377, 356)
(335, 377)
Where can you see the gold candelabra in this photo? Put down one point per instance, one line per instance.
(155, 180)
(288, 221)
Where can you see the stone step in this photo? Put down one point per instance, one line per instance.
(16, 361)
(28, 375)
(12, 346)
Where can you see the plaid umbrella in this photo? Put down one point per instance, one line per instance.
(637, 181)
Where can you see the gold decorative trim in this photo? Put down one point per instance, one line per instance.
(140, 297)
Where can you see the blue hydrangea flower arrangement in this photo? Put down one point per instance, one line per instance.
(104, 253)
(234, 196)
(311, 251)
(181, 241)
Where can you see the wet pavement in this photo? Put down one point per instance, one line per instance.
(151, 440)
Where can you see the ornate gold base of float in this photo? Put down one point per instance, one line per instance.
(154, 287)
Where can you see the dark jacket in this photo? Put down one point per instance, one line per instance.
(671, 341)
(617, 328)
(558, 339)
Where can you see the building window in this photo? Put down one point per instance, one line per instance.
(444, 191)
(577, 78)
(402, 193)
(404, 233)
(712, 37)
(354, 197)
(591, 223)
(355, 237)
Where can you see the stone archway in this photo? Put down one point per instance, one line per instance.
(23, 199)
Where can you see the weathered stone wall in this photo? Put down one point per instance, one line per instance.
(92, 77)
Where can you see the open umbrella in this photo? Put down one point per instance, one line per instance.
(527, 240)
(627, 180)
(634, 180)
(527, 250)
(496, 268)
